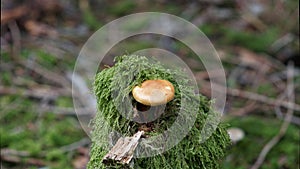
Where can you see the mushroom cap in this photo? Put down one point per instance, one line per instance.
(154, 92)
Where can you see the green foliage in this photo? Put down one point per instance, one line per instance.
(267, 89)
(121, 8)
(130, 46)
(46, 58)
(49, 60)
(64, 102)
(54, 155)
(259, 42)
(4, 57)
(258, 132)
(113, 92)
(41, 135)
(6, 78)
(91, 20)
(173, 8)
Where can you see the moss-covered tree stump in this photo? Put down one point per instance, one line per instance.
(117, 110)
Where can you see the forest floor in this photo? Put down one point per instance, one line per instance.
(257, 41)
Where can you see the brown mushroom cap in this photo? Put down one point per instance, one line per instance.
(154, 92)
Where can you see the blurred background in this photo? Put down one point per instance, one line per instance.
(257, 41)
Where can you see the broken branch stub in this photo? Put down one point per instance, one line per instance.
(122, 152)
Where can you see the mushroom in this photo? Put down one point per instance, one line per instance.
(154, 92)
(235, 134)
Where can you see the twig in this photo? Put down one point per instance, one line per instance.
(49, 75)
(281, 42)
(13, 14)
(255, 21)
(295, 120)
(15, 159)
(35, 93)
(246, 109)
(12, 152)
(16, 36)
(68, 110)
(249, 95)
(15, 156)
(285, 124)
(76, 145)
(242, 68)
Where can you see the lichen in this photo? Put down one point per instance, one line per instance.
(113, 88)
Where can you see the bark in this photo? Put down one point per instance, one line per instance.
(122, 152)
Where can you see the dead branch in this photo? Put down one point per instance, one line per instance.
(68, 110)
(205, 89)
(246, 109)
(13, 14)
(255, 21)
(12, 152)
(49, 75)
(16, 36)
(15, 156)
(285, 124)
(43, 92)
(76, 145)
(36, 28)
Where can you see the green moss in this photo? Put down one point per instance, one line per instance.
(64, 102)
(131, 45)
(5, 57)
(6, 78)
(46, 58)
(258, 132)
(173, 8)
(91, 20)
(25, 53)
(41, 135)
(267, 89)
(122, 8)
(113, 92)
(54, 155)
(256, 41)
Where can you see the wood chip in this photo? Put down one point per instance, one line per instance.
(122, 152)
